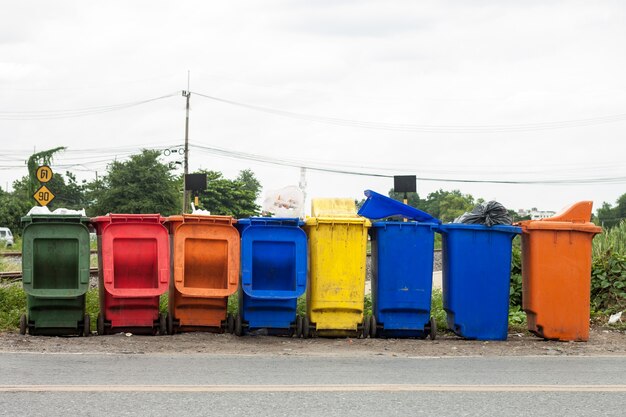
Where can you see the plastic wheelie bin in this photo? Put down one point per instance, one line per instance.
(556, 273)
(205, 254)
(336, 283)
(134, 270)
(55, 274)
(273, 275)
(402, 268)
(476, 279)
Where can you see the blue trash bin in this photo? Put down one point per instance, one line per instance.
(273, 274)
(476, 279)
(402, 268)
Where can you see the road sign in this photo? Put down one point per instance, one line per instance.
(43, 196)
(404, 183)
(44, 174)
(195, 182)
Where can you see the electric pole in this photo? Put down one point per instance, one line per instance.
(186, 94)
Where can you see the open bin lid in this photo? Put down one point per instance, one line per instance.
(575, 217)
(378, 206)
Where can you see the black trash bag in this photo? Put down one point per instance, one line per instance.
(489, 214)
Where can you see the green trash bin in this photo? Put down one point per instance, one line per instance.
(55, 274)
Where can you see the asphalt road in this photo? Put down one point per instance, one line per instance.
(199, 385)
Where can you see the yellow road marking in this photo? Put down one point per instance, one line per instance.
(314, 388)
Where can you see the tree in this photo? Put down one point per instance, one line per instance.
(413, 199)
(516, 217)
(448, 205)
(68, 193)
(141, 184)
(36, 160)
(609, 216)
(12, 208)
(226, 197)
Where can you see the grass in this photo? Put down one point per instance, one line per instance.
(17, 245)
(611, 240)
(12, 306)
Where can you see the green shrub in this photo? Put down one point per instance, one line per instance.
(12, 306)
(92, 306)
(610, 241)
(437, 311)
(515, 291)
(608, 283)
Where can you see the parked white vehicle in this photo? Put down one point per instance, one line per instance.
(6, 237)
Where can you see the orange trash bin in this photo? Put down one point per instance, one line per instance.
(556, 273)
(205, 271)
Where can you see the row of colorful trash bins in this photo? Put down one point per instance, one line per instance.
(202, 260)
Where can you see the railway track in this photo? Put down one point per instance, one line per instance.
(16, 254)
(17, 275)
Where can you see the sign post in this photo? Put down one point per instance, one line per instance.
(195, 183)
(405, 184)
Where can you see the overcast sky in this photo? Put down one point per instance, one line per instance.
(460, 90)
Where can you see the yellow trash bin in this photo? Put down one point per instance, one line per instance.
(336, 280)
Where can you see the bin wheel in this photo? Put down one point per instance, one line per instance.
(306, 327)
(230, 324)
(87, 326)
(366, 328)
(238, 325)
(432, 333)
(298, 326)
(100, 324)
(169, 323)
(23, 324)
(162, 325)
(373, 327)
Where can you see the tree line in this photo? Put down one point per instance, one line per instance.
(144, 184)
(141, 184)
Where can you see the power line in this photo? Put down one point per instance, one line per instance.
(79, 112)
(422, 128)
(316, 167)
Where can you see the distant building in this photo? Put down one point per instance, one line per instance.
(535, 214)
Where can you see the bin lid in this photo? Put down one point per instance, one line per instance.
(55, 218)
(271, 221)
(333, 207)
(196, 218)
(495, 228)
(378, 206)
(575, 217)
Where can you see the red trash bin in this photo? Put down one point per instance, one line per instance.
(134, 270)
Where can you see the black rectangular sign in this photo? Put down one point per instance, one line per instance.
(405, 183)
(195, 182)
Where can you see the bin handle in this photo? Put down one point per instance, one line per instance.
(84, 275)
(164, 276)
(178, 274)
(108, 276)
(135, 293)
(27, 276)
(206, 293)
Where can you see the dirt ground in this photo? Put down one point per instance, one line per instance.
(602, 343)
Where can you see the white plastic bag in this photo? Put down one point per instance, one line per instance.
(285, 202)
(199, 212)
(57, 212)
